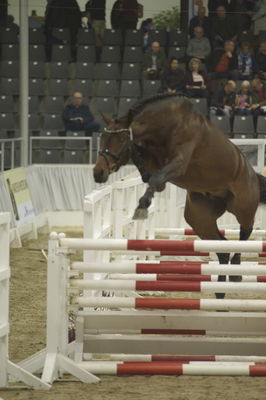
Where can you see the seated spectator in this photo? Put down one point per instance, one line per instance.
(258, 97)
(222, 28)
(199, 46)
(173, 78)
(214, 4)
(197, 82)
(200, 20)
(223, 62)
(78, 117)
(9, 23)
(116, 14)
(246, 64)
(154, 62)
(35, 21)
(131, 12)
(260, 61)
(243, 100)
(146, 26)
(241, 11)
(259, 17)
(224, 99)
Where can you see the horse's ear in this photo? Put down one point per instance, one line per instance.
(106, 119)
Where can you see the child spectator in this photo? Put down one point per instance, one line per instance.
(173, 78)
(197, 82)
(243, 100)
(246, 63)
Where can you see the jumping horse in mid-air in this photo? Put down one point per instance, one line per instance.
(169, 140)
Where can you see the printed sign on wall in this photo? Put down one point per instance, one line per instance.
(19, 195)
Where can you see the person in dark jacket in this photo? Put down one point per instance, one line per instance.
(260, 61)
(224, 99)
(222, 28)
(154, 62)
(197, 81)
(214, 4)
(96, 11)
(131, 12)
(78, 117)
(246, 62)
(116, 14)
(223, 62)
(62, 14)
(200, 20)
(173, 78)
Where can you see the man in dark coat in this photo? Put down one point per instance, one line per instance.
(62, 14)
(223, 100)
(223, 28)
(200, 20)
(78, 117)
(260, 61)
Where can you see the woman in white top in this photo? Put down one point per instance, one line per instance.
(197, 82)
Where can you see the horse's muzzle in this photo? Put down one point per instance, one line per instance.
(100, 175)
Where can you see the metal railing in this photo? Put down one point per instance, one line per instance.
(4, 143)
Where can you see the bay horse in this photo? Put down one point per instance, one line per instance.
(169, 140)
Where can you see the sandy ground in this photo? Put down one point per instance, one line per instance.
(28, 314)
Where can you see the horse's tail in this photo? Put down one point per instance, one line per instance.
(262, 184)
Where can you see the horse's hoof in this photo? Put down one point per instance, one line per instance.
(140, 213)
(235, 278)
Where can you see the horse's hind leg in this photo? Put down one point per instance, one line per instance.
(236, 259)
(201, 213)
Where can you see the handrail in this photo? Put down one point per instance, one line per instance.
(3, 142)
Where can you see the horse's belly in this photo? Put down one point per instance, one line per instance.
(201, 184)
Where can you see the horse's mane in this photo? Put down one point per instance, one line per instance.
(141, 104)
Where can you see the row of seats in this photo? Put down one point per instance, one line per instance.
(112, 37)
(51, 156)
(241, 125)
(79, 70)
(98, 88)
(86, 53)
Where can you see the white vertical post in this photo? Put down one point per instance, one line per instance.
(4, 295)
(24, 80)
(56, 318)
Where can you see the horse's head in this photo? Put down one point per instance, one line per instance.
(115, 144)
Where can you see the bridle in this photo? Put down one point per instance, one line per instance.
(105, 153)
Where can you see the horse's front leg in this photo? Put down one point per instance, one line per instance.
(156, 183)
(138, 156)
